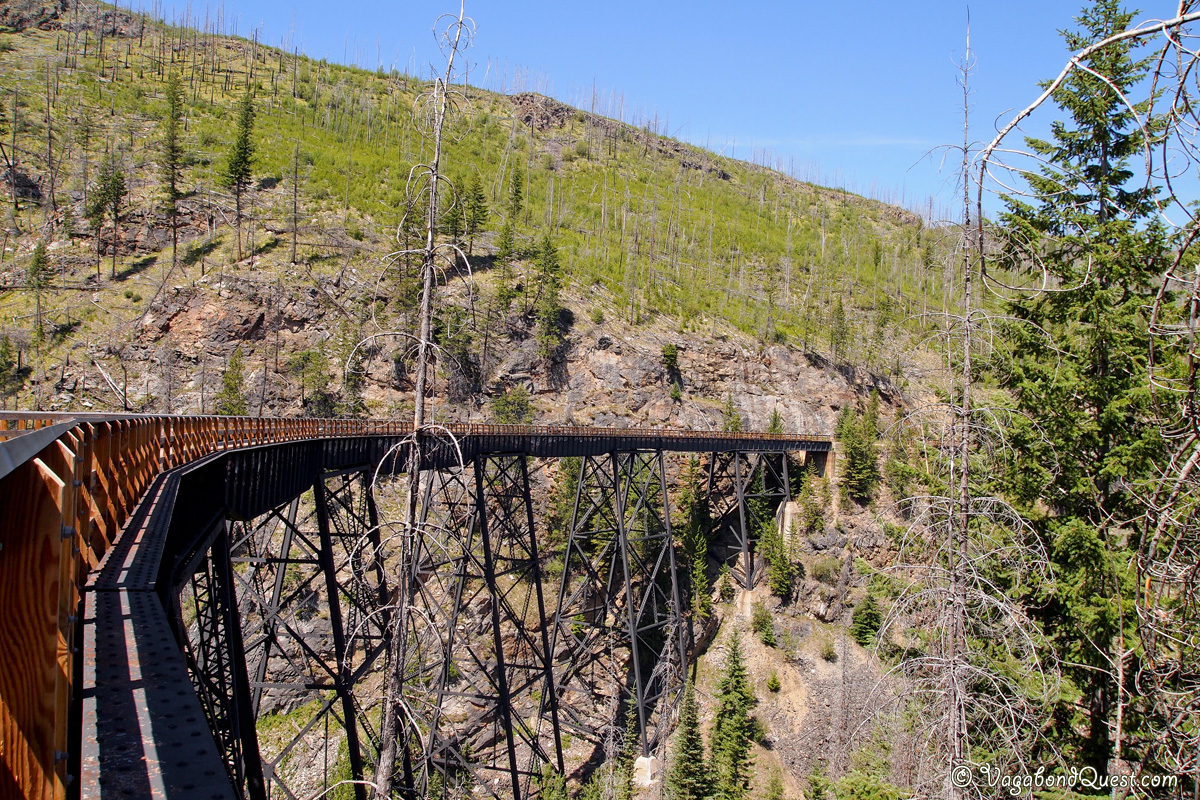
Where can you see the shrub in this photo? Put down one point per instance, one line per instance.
(597, 316)
(762, 623)
(773, 683)
(513, 407)
(676, 392)
(725, 585)
(827, 569)
(828, 651)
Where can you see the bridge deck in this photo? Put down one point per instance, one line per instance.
(85, 501)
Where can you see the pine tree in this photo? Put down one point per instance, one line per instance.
(516, 196)
(860, 456)
(37, 280)
(172, 155)
(477, 211)
(775, 422)
(238, 168)
(8, 370)
(1091, 222)
(688, 778)
(733, 726)
(231, 400)
(866, 620)
(731, 419)
(108, 196)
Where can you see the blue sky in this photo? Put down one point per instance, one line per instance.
(857, 94)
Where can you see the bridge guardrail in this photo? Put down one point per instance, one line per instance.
(62, 505)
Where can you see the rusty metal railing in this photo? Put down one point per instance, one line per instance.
(69, 482)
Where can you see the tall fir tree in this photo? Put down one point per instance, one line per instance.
(37, 280)
(240, 164)
(1078, 374)
(733, 727)
(477, 211)
(171, 157)
(688, 778)
(231, 400)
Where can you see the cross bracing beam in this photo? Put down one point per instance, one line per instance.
(238, 488)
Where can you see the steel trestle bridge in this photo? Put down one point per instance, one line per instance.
(197, 606)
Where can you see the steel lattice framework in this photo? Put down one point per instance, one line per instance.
(268, 561)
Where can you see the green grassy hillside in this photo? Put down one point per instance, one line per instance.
(646, 226)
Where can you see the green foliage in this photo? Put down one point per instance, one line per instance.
(562, 503)
(691, 526)
(311, 369)
(865, 620)
(37, 279)
(171, 155)
(107, 197)
(725, 588)
(780, 569)
(839, 330)
(863, 786)
(553, 785)
(1079, 366)
(476, 211)
(813, 500)
(516, 196)
(676, 394)
(231, 400)
(239, 165)
(775, 421)
(762, 622)
(549, 333)
(860, 454)
(827, 649)
(775, 785)
(733, 726)
(9, 377)
(731, 418)
(513, 407)
(688, 777)
(670, 355)
(827, 569)
(773, 682)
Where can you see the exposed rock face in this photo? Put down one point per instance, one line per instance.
(19, 15)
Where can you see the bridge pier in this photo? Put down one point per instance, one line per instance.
(620, 590)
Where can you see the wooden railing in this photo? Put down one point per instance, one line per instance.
(63, 504)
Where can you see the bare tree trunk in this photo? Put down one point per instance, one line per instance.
(391, 733)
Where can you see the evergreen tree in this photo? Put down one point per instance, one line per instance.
(516, 196)
(549, 280)
(172, 156)
(865, 621)
(1091, 222)
(9, 376)
(240, 164)
(476, 211)
(37, 280)
(733, 726)
(775, 422)
(627, 755)
(688, 778)
(231, 400)
(108, 196)
(780, 569)
(860, 456)
(731, 419)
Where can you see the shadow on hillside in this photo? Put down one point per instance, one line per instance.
(266, 247)
(198, 251)
(136, 268)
